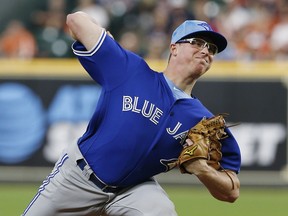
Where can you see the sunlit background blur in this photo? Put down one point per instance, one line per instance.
(256, 30)
(46, 99)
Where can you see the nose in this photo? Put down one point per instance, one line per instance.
(205, 50)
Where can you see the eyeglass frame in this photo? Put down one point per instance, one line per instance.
(205, 44)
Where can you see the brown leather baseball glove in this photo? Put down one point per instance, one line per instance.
(205, 137)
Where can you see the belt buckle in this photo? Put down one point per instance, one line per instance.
(105, 188)
(110, 189)
(90, 175)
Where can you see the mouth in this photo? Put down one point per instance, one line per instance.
(204, 59)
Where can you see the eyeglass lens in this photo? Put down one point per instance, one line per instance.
(201, 44)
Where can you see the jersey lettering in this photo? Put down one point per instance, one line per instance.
(127, 103)
(148, 110)
(181, 136)
(134, 107)
(172, 132)
(144, 110)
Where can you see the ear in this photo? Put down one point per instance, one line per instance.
(173, 49)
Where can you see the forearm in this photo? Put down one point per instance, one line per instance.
(223, 185)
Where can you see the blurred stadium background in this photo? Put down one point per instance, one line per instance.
(45, 95)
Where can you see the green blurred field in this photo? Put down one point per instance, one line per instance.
(189, 201)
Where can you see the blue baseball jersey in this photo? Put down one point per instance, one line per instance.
(138, 125)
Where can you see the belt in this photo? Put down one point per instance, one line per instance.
(93, 178)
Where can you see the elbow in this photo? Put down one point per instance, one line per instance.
(70, 19)
(71, 22)
(73, 18)
(228, 198)
(231, 197)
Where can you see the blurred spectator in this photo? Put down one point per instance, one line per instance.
(17, 41)
(130, 40)
(157, 46)
(236, 16)
(98, 12)
(157, 36)
(178, 13)
(50, 31)
(247, 25)
(256, 30)
(279, 37)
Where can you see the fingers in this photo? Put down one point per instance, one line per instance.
(187, 143)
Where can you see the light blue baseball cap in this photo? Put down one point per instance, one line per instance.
(197, 28)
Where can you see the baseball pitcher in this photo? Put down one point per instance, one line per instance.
(145, 123)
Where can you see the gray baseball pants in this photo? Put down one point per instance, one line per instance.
(68, 192)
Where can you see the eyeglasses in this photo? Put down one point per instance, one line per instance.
(201, 44)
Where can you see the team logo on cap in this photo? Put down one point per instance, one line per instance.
(205, 26)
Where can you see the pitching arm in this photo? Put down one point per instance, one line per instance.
(84, 28)
(223, 185)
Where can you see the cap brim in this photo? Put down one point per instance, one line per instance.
(216, 38)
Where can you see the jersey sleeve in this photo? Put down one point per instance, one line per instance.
(231, 155)
(107, 62)
(231, 159)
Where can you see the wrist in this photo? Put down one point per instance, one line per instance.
(197, 167)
